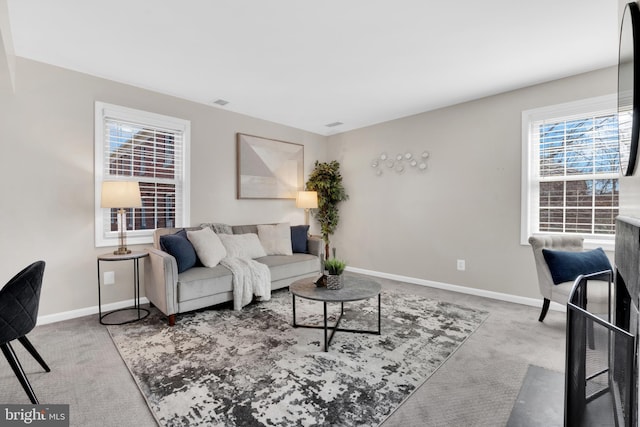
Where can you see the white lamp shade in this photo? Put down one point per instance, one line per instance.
(120, 194)
(307, 199)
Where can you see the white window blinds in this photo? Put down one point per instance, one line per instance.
(150, 149)
(578, 173)
(571, 169)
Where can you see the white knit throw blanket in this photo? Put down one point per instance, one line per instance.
(249, 278)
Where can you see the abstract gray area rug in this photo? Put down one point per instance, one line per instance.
(219, 367)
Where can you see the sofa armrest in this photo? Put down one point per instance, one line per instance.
(160, 281)
(315, 246)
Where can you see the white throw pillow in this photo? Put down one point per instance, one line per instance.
(276, 239)
(208, 246)
(245, 246)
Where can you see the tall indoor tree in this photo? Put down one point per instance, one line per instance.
(327, 181)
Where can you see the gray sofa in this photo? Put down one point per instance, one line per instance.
(200, 287)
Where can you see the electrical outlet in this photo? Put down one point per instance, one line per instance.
(109, 278)
(461, 265)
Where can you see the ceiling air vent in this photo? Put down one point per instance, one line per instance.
(334, 124)
(221, 102)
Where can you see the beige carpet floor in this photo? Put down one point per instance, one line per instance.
(477, 386)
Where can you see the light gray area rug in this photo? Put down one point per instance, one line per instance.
(252, 368)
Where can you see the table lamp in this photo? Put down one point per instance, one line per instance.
(307, 200)
(121, 195)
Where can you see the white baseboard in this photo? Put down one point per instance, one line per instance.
(66, 315)
(533, 302)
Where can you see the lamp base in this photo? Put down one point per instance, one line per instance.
(122, 251)
(122, 226)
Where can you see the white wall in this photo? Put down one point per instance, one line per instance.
(47, 183)
(467, 204)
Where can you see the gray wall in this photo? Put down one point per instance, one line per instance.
(7, 56)
(467, 204)
(46, 174)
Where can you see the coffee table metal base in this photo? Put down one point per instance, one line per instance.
(329, 337)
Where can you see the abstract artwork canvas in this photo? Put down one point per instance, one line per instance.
(268, 168)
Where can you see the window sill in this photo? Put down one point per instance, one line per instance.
(131, 241)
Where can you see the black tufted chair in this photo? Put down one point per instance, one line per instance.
(19, 300)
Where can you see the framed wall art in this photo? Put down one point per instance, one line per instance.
(268, 168)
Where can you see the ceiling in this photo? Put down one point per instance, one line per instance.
(307, 64)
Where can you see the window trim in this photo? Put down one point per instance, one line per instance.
(528, 190)
(103, 110)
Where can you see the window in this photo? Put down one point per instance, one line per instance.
(152, 149)
(570, 168)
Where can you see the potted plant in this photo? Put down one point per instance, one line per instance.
(335, 268)
(326, 180)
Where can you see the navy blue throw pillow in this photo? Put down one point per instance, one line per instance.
(567, 266)
(299, 238)
(180, 248)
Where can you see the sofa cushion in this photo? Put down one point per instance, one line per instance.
(567, 266)
(286, 266)
(179, 246)
(201, 282)
(208, 246)
(242, 245)
(245, 229)
(299, 235)
(276, 239)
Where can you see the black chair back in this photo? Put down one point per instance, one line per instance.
(19, 301)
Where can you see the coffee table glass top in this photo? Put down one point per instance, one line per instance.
(354, 289)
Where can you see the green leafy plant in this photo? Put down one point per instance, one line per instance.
(335, 266)
(326, 180)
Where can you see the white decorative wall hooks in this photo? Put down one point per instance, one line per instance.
(400, 162)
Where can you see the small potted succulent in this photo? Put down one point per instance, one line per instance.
(335, 268)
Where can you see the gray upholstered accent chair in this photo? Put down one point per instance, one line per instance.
(598, 296)
(19, 301)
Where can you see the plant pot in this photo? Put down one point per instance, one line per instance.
(335, 281)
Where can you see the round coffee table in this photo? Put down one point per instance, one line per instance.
(355, 289)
